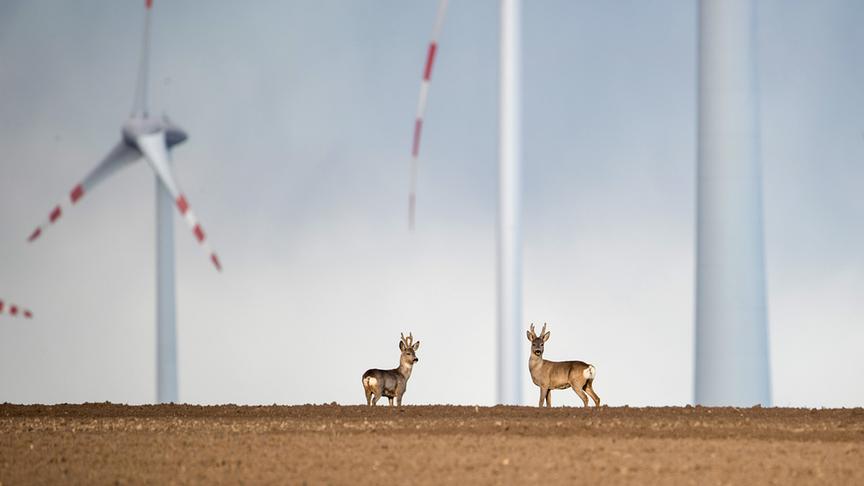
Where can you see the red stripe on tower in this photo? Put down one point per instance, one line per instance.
(418, 125)
(55, 215)
(13, 309)
(1, 306)
(149, 3)
(35, 234)
(199, 233)
(28, 314)
(77, 193)
(182, 204)
(430, 58)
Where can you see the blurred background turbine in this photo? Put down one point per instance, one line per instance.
(312, 214)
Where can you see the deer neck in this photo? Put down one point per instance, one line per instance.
(404, 369)
(535, 362)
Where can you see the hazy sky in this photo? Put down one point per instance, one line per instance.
(300, 116)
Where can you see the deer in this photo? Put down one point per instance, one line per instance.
(559, 375)
(392, 383)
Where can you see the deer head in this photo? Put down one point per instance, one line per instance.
(408, 347)
(537, 342)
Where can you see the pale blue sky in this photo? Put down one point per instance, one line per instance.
(300, 117)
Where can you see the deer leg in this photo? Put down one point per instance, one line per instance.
(375, 399)
(399, 401)
(549, 398)
(577, 387)
(390, 399)
(589, 389)
(543, 394)
(368, 397)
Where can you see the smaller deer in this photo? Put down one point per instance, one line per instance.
(392, 383)
(559, 375)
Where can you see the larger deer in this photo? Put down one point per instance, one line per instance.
(559, 375)
(392, 383)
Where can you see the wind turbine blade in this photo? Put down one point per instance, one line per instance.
(421, 107)
(13, 310)
(140, 105)
(120, 156)
(156, 153)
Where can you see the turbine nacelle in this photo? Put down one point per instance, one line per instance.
(137, 126)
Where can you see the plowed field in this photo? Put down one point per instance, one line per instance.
(331, 444)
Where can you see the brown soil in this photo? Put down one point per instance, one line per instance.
(331, 444)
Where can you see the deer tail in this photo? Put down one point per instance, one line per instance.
(590, 372)
(369, 381)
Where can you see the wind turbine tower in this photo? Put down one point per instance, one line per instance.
(511, 368)
(509, 328)
(731, 348)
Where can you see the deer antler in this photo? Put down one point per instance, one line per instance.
(532, 329)
(409, 341)
(544, 329)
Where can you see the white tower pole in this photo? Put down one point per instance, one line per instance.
(510, 366)
(731, 349)
(166, 333)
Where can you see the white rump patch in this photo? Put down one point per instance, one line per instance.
(590, 372)
(370, 382)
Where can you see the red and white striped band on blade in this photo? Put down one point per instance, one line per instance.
(182, 205)
(155, 153)
(75, 194)
(13, 310)
(192, 221)
(421, 107)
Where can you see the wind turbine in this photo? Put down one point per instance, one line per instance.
(509, 285)
(14, 310)
(731, 348)
(151, 138)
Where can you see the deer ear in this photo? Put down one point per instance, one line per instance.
(530, 335)
(401, 346)
(546, 336)
(416, 346)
